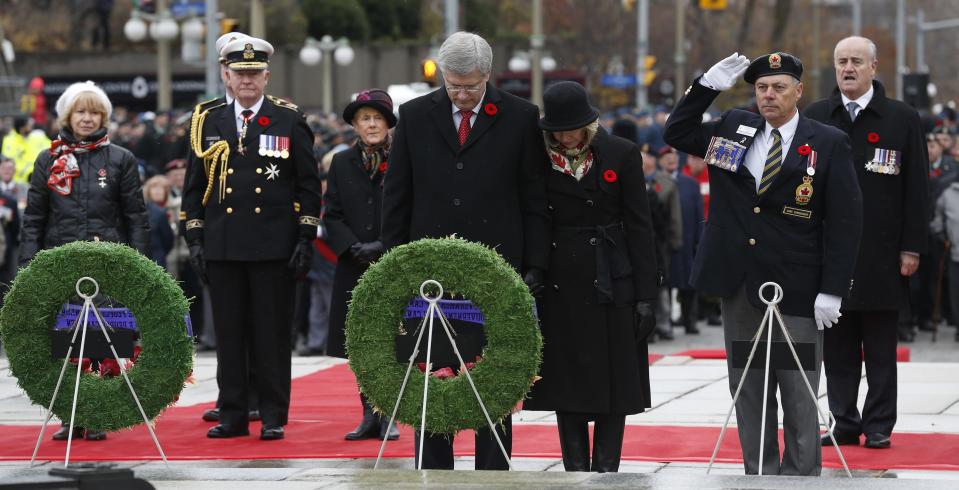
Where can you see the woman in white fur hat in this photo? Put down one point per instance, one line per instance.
(83, 188)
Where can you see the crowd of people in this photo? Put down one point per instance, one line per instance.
(227, 197)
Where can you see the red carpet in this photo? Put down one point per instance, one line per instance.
(902, 354)
(326, 406)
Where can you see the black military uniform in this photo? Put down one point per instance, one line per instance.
(889, 155)
(251, 209)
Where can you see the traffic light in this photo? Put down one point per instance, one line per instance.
(228, 24)
(649, 74)
(712, 4)
(429, 70)
(628, 5)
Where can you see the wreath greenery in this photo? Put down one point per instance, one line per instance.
(465, 269)
(39, 292)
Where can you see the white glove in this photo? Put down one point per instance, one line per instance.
(723, 75)
(826, 310)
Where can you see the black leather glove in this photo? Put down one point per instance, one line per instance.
(367, 253)
(302, 258)
(198, 262)
(534, 281)
(645, 321)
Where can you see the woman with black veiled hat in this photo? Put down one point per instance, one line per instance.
(595, 311)
(351, 215)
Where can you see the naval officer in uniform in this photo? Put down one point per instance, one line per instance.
(785, 207)
(252, 203)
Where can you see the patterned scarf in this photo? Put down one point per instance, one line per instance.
(572, 161)
(375, 156)
(65, 148)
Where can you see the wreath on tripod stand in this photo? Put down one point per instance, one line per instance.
(149, 292)
(510, 359)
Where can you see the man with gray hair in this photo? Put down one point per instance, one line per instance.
(469, 160)
(889, 157)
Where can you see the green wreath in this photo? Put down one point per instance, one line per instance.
(39, 292)
(510, 359)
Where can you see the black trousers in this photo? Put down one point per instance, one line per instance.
(438, 448)
(868, 336)
(252, 310)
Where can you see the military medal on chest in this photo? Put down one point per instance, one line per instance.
(884, 162)
(274, 146)
(725, 153)
(805, 190)
(102, 178)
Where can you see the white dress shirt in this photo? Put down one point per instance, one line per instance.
(457, 117)
(238, 110)
(759, 150)
(862, 101)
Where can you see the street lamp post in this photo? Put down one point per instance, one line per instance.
(162, 29)
(327, 50)
(524, 61)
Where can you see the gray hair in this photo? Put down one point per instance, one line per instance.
(869, 44)
(464, 52)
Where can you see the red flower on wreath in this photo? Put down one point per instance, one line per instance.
(610, 176)
(873, 137)
(804, 150)
(383, 166)
(263, 120)
(490, 109)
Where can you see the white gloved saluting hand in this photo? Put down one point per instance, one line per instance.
(723, 75)
(826, 310)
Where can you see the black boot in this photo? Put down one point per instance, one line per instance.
(64, 433)
(573, 440)
(387, 428)
(608, 442)
(369, 427)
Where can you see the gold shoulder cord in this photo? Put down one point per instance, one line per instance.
(219, 151)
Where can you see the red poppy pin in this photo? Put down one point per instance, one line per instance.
(657, 188)
(490, 109)
(102, 172)
(873, 137)
(383, 166)
(263, 121)
(804, 150)
(610, 176)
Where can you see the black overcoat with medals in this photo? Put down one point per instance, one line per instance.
(351, 212)
(601, 261)
(804, 239)
(895, 215)
(489, 190)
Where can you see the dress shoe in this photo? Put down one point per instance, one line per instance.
(877, 440)
(369, 427)
(692, 329)
(254, 415)
(226, 431)
(386, 428)
(211, 415)
(310, 352)
(842, 439)
(64, 433)
(271, 432)
(95, 435)
(906, 335)
(713, 320)
(665, 333)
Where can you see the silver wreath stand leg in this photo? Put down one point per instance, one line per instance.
(827, 419)
(81, 329)
(433, 310)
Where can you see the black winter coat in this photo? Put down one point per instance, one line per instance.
(895, 207)
(351, 214)
(110, 209)
(601, 261)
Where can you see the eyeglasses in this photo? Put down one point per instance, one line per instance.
(470, 89)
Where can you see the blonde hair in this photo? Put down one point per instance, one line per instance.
(153, 182)
(88, 101)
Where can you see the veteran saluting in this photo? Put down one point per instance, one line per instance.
(251, 203)
(785, 207)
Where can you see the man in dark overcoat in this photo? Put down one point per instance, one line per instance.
(785, 207)
(469, 159)
(251, 202)
(889, 156)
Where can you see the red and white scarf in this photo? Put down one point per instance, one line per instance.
(65, 167)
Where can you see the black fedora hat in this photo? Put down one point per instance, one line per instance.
(567, 107)
(377, 99)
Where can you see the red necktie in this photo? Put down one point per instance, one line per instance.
(465, 126)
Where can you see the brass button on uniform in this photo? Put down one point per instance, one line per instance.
(229, 190)
(752, 241)
(592, 241)
(589, 202)
(456, 201)
(258, 190)
(230, 171)
(256, 210)
(258, 170)
(756, 209)
(229, 210)
(459, 165)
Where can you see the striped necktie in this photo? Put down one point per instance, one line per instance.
(774, 161)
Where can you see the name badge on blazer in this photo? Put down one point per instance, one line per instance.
(725, 153)
(884, 161)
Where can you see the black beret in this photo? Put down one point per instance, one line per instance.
(773, 64)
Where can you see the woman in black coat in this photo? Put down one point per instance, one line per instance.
(351, 214)
(83, 188)
(595, 311)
